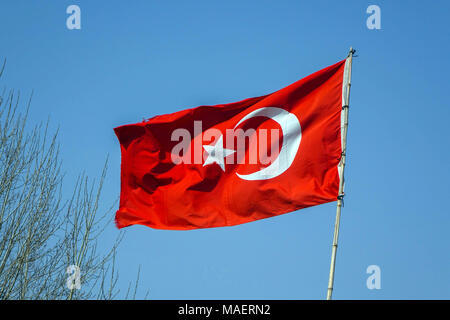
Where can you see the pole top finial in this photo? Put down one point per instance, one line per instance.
(351, 51)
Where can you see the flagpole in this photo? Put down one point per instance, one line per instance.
(344, 125)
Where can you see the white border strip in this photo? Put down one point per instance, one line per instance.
(345, 88)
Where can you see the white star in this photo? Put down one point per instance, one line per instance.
(217, 153)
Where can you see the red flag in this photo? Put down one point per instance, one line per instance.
(228, 164)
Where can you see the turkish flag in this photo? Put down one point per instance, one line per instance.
(223, 165)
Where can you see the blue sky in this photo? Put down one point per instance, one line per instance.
(136, 59)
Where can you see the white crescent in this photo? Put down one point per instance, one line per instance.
(292, 135)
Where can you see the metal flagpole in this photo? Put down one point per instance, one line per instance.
(346, 83)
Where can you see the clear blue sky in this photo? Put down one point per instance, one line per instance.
(136, 59)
